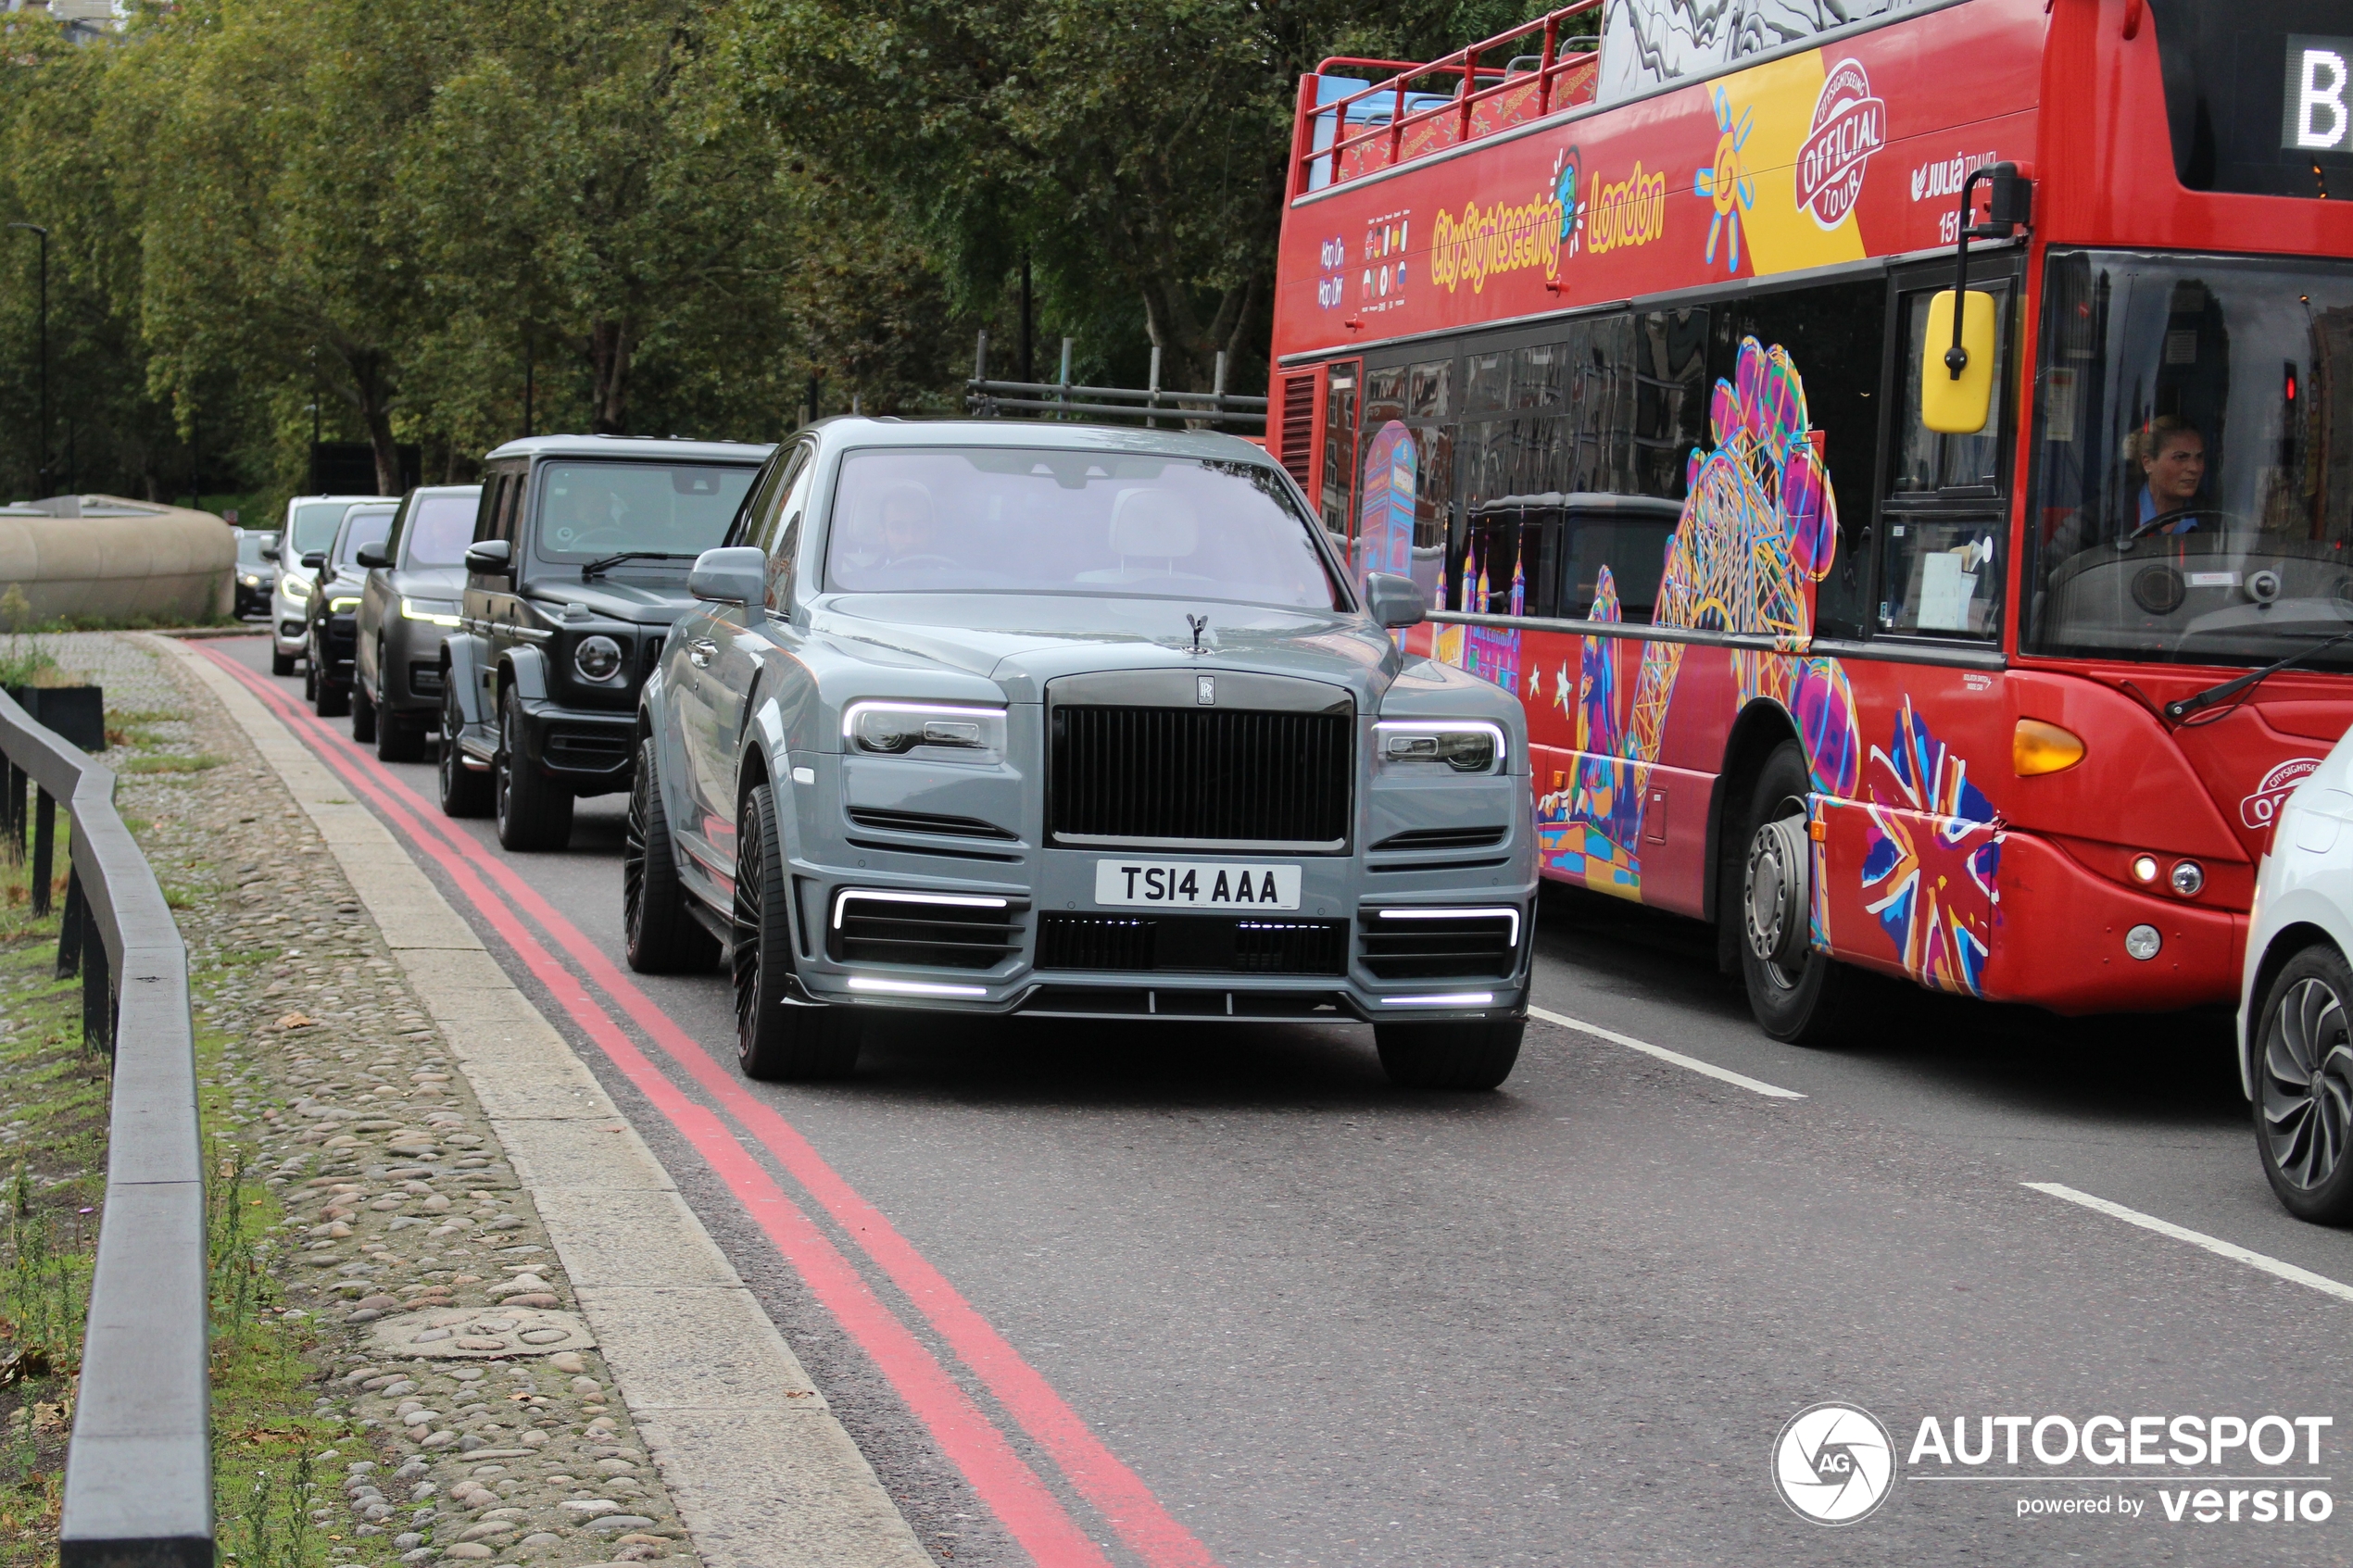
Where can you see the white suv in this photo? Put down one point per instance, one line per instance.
(310, 527)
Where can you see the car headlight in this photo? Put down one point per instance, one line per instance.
(597, 658)
(1461, 746)
(439, 613)
(294, 588)
(342, 601)
(250, 581)
(942, 732)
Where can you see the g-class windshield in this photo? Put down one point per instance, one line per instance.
(1130, 525)
(646, 511)
(2194, 460)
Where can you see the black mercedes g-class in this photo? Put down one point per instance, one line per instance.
(581, 549)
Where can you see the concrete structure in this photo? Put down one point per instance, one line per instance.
(101, 558)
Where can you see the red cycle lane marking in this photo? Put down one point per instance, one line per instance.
(1011, 1489)
(1098, 1475)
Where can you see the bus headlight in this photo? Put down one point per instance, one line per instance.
(1469, 745)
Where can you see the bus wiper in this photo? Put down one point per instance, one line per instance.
(603, 564)
(2180, 709)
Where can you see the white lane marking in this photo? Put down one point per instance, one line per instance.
(2215, 1244)
(1725, 1074)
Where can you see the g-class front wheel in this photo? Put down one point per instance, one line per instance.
(777, 1037)
(533, 810)
(1478, 1054)
(464, 793)
(662, 933)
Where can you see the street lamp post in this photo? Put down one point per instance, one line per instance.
(42, 470)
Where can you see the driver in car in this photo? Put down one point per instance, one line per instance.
(2173, 459)
(910, 534)
(586, 512)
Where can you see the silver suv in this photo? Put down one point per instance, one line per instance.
(985, 717)
(310, 527)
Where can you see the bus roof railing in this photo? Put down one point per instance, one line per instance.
(1558, 75)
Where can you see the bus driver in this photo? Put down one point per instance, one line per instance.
(2173, 459)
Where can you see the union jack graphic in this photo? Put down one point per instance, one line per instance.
(1932, 854)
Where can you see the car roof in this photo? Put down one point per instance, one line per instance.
(853, 430)
(641, 449)
(447, 490)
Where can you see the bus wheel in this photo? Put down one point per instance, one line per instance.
(1798, 995)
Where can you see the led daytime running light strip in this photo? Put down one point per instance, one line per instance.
(914, 987)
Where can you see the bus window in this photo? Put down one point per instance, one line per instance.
(1671, 398)
(1945, 554)
(1543, 555)
(2193, 501)
(1340, 447)
(1926, 461)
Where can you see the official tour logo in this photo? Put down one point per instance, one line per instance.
(1849, 126)
(2258, 809)
(1834, 1463)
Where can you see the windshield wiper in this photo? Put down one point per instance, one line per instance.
(603, 564)
(2180, 709)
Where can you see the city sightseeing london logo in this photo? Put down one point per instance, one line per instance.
(1834, 1463)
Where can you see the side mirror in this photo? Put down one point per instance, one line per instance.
(1957, 383)
(269, 553)
(374, 555)
(731, 575)
(313, 560)
(1396, 602)
(492, 557)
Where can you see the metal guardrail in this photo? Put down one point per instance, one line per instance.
(138, 1488)
(987, 399)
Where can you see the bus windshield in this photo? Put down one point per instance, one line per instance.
(1133, 525)
(2194, 468)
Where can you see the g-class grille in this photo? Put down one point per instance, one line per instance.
(1192, 944)
(1143, 775)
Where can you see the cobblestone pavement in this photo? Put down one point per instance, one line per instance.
(481, 1422)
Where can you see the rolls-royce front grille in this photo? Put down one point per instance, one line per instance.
(1191, 944)
(1176, 776)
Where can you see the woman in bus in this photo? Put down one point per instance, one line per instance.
(2173, 457)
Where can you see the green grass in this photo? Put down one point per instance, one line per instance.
(168, 764)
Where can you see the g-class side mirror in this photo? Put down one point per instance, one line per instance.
(1396, 602)
(492, 557)
(374, 555)
(734, 574)
(313, 560)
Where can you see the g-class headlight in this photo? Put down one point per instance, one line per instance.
(939, 732)
(1462, 746)
(294, 588)
(597, 658)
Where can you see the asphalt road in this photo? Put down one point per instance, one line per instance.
(1323, 1321)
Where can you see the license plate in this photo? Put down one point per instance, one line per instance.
(1195, 884)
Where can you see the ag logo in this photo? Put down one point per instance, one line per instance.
(1834, 1463)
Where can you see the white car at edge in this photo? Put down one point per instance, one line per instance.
(2295, 1001)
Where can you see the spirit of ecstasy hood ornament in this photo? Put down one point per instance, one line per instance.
(1199, 624)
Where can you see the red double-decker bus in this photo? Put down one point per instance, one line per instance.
(1621, 336)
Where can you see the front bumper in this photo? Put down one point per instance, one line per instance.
(409, 672)
(589, 750)
(336, 636)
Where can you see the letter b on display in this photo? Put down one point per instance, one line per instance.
(2315, 116)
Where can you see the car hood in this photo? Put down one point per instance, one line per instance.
(1023, 641)
(647, 604)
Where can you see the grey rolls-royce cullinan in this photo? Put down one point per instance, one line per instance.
(998, 717)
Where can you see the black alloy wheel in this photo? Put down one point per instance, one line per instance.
(464, 793)
(661, 931)
(1798, 994)
(363, 714)
(2303, 1087)
(1477, 1054)
(533, 812)
(777, 1037)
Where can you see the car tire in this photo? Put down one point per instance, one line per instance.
(281, 663)
(2303, 1072)
(329, 699)
(464, 793)
(309, 682)
(363, 714)
(1803, 997)
(399, 738)
(659, 931)
(1475, 1055)
(776, 1038)
(533, 811)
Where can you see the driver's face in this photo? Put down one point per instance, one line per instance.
(906, 530)
(2179, 467)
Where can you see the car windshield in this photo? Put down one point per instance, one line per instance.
(249, 546)
(2194, 459)
(365, 526)
(1000, 520)
(314, 524)
(588, 510)
(439, 529)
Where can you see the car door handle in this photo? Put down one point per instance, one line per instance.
(701, 650)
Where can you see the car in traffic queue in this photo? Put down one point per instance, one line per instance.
(255, 571)
(333, 605)
(408, 607)
(310, 527)
(2296, 1000)
(977, 717)
(581, 549)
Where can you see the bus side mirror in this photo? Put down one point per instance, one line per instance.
(1956, 384)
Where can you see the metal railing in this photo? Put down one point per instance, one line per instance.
(1152, 403)
(138, 1489)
